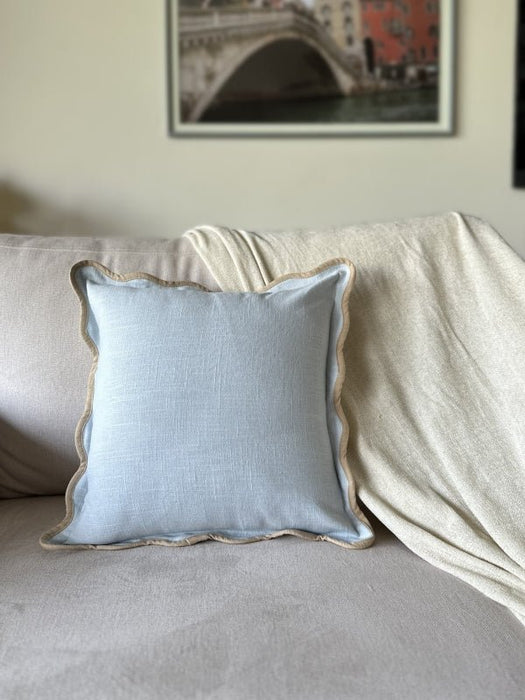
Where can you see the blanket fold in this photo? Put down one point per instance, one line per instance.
(434, 390)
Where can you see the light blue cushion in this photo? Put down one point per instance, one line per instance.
(212, 415)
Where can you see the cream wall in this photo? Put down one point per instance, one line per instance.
(84, 147)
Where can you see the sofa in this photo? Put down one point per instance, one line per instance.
(282, 617)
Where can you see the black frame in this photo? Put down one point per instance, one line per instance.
(519, 115)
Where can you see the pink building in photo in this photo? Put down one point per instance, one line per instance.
(401, 38)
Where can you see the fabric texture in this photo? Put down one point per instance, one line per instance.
(43, 360)
(435, 388)
(212, 415)
(285, 620)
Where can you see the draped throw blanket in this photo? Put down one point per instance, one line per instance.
(435, 380)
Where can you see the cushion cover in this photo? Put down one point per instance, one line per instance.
(212, 415)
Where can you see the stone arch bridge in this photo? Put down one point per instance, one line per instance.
(214, 45)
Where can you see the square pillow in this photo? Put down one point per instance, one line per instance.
(212, 415)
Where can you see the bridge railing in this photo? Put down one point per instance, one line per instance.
(222, 19)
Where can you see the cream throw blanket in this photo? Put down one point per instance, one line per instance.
(435, 382)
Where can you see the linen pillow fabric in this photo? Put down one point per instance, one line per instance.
(212, 415)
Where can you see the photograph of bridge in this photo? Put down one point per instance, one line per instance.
(310, 66)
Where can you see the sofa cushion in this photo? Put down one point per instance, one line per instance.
(212, 415)
(44, 363)
(285, 620)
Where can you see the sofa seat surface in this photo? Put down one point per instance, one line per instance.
(277, 619)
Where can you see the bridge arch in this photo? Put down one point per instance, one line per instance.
(244, 53)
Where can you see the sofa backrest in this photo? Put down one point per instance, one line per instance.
(44, 363)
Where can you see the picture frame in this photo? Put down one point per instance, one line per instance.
(518, 160)
(310, 67)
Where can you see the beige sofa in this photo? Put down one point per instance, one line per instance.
(286, 618)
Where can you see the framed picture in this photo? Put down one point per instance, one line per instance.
(519, 97)
(310, 67)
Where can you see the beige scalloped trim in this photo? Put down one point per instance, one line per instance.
(194, 539)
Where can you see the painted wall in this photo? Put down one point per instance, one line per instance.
(84, 146)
